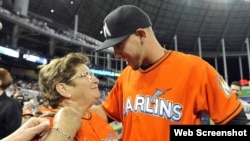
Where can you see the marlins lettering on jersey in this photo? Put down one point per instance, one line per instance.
(153, 105)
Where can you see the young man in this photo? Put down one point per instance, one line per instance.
(160, 87)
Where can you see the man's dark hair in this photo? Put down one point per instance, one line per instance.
(237, 83)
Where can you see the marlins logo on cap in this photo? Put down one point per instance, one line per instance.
(106, 31)
(122, 22)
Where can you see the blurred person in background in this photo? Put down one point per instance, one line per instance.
(19, 98)
(236, 88)
(45, 107)
(68, 82)
(27, 114)
(11, 110)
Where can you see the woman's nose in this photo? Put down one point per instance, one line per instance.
(95, 79)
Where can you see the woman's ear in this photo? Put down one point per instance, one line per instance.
(61, 88)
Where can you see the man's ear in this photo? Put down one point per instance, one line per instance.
(61, 88)
(140, 32)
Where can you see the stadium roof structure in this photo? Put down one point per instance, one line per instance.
(192, 26)
(216, 30)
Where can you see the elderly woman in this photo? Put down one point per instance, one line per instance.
(67, 81)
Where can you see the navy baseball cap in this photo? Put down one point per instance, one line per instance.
(121, 23)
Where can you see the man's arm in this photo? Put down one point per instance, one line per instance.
(246, 105)
(240, 119)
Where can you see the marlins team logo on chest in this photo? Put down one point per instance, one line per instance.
(223, 84)
(154, 105)
(106, 31)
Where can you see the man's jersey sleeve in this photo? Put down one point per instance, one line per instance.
(222, 104)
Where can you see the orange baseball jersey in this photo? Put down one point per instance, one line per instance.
(93, 129)
(174, 90)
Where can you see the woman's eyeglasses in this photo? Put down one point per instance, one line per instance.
(87, 74)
